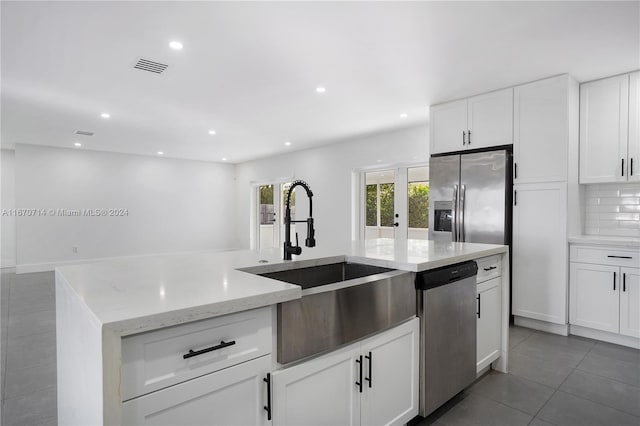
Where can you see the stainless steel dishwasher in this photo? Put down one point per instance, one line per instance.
(447, 311)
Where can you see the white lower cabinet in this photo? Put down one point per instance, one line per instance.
(232, 396)
(373, 382)
(488, 323)
(605, 296)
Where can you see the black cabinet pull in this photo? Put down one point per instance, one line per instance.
(490, 268)
(515, 170)
(623, 167)
(515, 198)
(267, 407)
(222, 344)
(479, 302)
(624, 282)
(468, 137)
(464, 137)
(614, 281)
(370, 359)
(620, 257)
(631, 166)
(359, 383)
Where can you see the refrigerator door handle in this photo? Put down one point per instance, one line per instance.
(454, 215)
(461, 213)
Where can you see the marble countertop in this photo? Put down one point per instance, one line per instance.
(136, 294)
(606, 240)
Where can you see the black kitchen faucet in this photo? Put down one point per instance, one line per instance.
(290, 249)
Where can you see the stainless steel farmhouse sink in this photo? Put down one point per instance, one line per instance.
(341, 302)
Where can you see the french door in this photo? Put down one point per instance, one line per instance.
(271, 200)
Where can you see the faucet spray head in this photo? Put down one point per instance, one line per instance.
(310, 241)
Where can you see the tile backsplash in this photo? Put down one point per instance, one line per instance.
(612, 209)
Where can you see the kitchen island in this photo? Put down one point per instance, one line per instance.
(100, 305)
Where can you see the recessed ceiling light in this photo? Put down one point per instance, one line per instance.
(160, 153)
(403, 115)
(175, 45)
(287, 143)
(320, 89)
(224, 158)
(212, 132)
(105, 115)
(78, 144)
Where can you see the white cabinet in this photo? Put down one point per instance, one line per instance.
(540, 259)
(232, 396)
(477, 122)
(488, 323)
(605, 292)
(208, 372)
(542, 120)
(608, 133)
(370, 382)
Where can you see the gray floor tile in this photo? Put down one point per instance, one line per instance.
(514, 392)
(31, 350)
(626, 372)
(26, 324)
(555, 349)
(22, 382)
(565, 409)
(617, 352)
(539, 422)
(476, 410)
(608, 392)
(517, 335)
(35, 408)
(539, 370)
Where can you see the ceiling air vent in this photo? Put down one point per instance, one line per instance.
(151, 66)
(83, 133)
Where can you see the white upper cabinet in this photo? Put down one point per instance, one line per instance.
(542, 129)
(477, 122)
(604, 130)
(634, 127)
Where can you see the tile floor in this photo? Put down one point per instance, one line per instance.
(553, 380)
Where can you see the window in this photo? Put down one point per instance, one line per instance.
(271, 201)
(418, 202)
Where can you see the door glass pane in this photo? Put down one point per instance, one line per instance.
(292, 205)
(266, 216)
(418, 202)
(379, 209)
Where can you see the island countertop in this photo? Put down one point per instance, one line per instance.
(137, 294)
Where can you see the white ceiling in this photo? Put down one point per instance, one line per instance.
(249, 69)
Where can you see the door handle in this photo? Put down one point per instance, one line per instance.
(267, 407)
(464, 137)
(631, 166)
(461, 212)
(624, 282)
(369, 379)
(622, 168)
(396, 224)
(359, 382)
(515, 171)
(222, 345)
(515, 197)
(479, 302)
(614, 281)
(454, 215)
(468, 137)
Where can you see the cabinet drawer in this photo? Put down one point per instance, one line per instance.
(154, 360)
(605, 255)
(488, 268)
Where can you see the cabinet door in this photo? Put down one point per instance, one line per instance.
(634, 127)
(448, 121)
(490, 118)
(321, 391)
(540, 260)
(391, 376)
(630, 302)
(488, 323)
(604, 115)
(233, 396)
(541, 131)
(594, 296)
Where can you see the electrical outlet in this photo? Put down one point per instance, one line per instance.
(74, 250)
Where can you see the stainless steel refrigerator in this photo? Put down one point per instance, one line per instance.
(470, 197)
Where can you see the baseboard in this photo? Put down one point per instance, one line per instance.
(605, 336)
(561, 329)
(50, 266)
(7, 263)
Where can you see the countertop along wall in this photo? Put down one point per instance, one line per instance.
(328, 170)
(173, 205)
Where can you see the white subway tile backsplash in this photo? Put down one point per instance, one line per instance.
(612, 209)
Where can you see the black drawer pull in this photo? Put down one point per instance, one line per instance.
(222, 344)
(490, 268)
(624, 282)
(622, 168)
(370, 359)
(479, 301)
(614, 281)
(359, 383)
(620, 257)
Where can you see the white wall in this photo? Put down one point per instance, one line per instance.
(328, 171)
(8, 231)
(173, 205)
